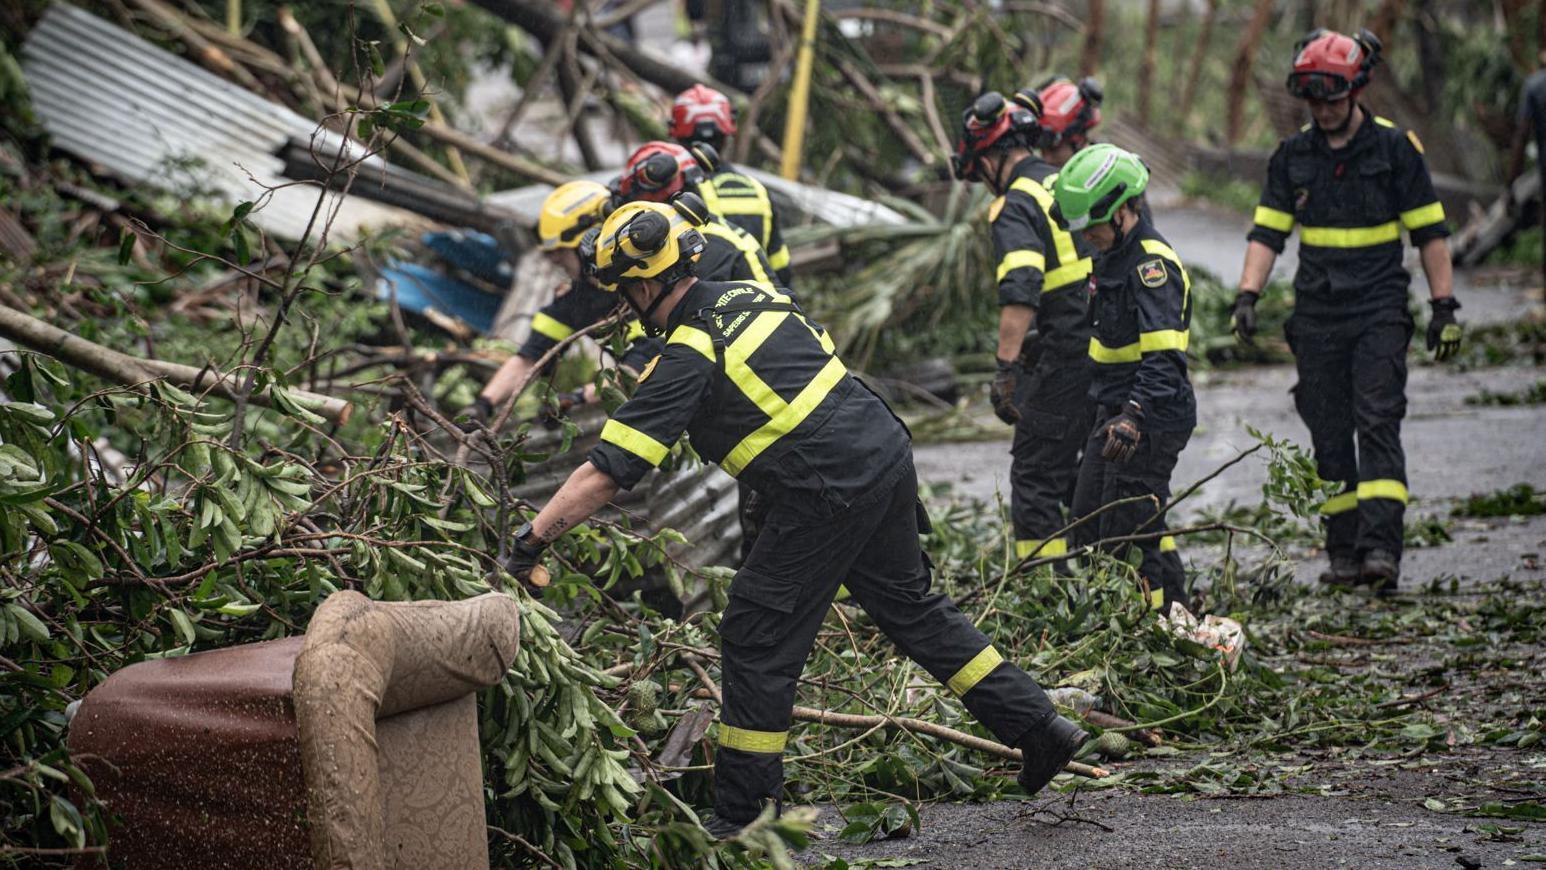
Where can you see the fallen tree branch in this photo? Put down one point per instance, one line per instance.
(132, 371)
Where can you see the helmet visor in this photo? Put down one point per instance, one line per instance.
(1318, 86)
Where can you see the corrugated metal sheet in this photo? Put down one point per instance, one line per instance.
(792, 198)
(150, 117)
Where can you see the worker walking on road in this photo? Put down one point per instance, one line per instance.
(568, 213)
(1142, 312)
(701, 116)
(1043, 381)
(1351, 181)
(760, 391)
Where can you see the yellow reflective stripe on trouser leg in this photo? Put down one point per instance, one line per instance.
(1422, 216)
(1168, 544)
(635, 442)
(551, 327)
(748, 740)
(1039, 547)
(1394, 490)
(1273, 219)
(973, 671)
(1156, 599)
(1340, 504)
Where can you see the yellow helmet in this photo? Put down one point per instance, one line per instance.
(650, 240)
(569, 210)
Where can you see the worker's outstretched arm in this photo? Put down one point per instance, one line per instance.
(586, 491)
(1259, 260)
(1437, 265)
(510, 378)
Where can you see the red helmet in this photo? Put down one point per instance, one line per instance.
(1330, 66)
(658, 171)
(984, 126)
(1069, 109)
(699, 113)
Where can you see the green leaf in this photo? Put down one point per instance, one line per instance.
(1436, 805)
(126, 240)
(184, 625)
(31, 627)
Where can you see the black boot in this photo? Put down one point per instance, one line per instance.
(721, 828)
(1344, 572)
(1382, 570)
(1046, 750)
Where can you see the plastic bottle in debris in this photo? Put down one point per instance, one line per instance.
(1073, 698)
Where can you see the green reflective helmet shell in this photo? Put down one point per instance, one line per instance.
(1095, 183)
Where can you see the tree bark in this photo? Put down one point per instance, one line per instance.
(1240, 77)
(1146, 73)
(121, 368)
(1199, 53)
(1094, 31)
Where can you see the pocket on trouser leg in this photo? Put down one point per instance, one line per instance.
(759, 609)
(1045, 424)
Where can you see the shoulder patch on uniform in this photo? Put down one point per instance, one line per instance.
(649, 369)
(994, 209)
(1153, 273)
(1416, 142)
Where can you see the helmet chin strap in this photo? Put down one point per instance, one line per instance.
(646, 314)
(1347, 120)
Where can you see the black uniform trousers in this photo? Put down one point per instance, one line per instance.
(779, 598)
(1102, 482)
(1352, 383)
(1055, 417)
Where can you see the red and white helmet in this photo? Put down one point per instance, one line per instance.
(1068, 109)
(701, 113)
(1330, 66)
(658, 171)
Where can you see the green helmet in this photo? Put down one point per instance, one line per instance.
(1095, 183)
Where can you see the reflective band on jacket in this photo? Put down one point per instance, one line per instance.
(1021, 260)
(634, 332)
(1156, 598)
(1160, 249)
(748, 740)
(1394, 490)
(634, 441)
(1039, 547)
(1422, 216)
(1148, 342)
(780, 258)
(694, 338)
(1350, 237)
(557, 330)
(1273, 219)
(785, 421)
(973, 671)
(1167, 544)
(744, 243)
(1071, 267)
(1340, 504)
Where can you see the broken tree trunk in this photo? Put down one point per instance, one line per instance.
(1199, 52)
(1094, 30)
(1146, 73)
(131, 371)
(1245, 58)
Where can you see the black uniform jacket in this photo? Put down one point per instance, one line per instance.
(1142, 315)
(1350, 205)
(760, 391)
(744, 202)
(1039, 263)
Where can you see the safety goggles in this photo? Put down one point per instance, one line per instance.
(1318, 86)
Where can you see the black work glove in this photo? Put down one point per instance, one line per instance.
(475, 416)
(1002, 393)
(1444, 331)
(1242, 318)
(525, 561)
(1123, 434)
(566, 403)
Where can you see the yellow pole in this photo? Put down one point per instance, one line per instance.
(800, 94)
(233, 17)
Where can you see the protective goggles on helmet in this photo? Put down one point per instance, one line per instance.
(1318, 86)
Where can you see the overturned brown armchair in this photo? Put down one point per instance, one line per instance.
(353, 747)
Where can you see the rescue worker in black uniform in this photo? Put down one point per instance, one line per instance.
(760, 391)
(1142, 315)
(702, 116)
(570, 212)
(1352, 181)
(1042, 385)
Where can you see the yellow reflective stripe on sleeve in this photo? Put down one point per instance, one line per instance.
(1340, 504)
(1103, 354)
(1156, 599)
(1168, 544)
(694, 338)
(1422, 216)
(551, 327)
(1161, 249)
(1021, 260)
(634, 332)
(1384, 122)
(1076, 272)
(748, 740)
(1393, 490)
(973, 671)
(786, 420)
(1163, 339)
(780, 258)
(634, 441)
(1273, 219)
(1039, 548)
(1350, 237)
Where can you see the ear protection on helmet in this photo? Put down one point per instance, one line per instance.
(1091, 90)
(691, 207)
(707, 156)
